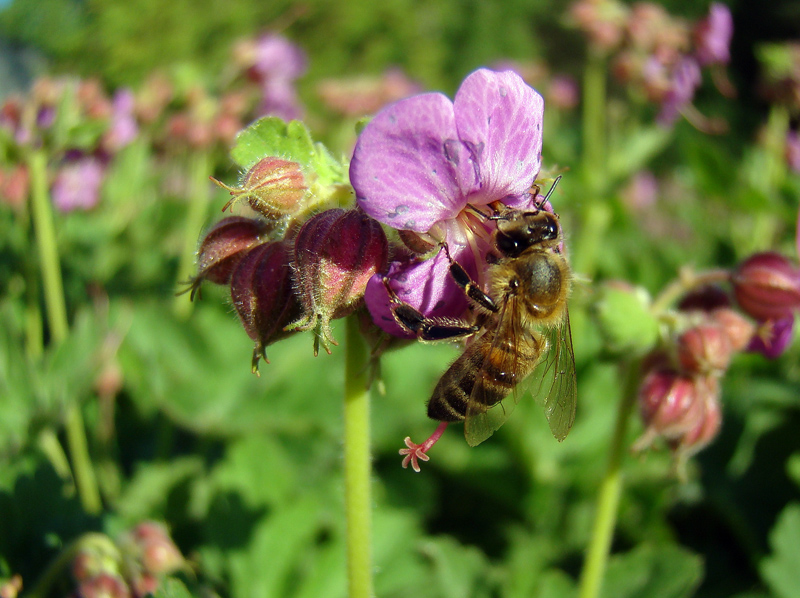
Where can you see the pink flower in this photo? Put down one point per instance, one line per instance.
(77, 184)
(713, 36)
(427, 165)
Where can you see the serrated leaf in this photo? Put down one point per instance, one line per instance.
(653, 572)
(271, 136)
(781, 570)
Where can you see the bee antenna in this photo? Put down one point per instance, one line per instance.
(550, 191)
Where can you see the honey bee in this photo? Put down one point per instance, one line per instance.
(521, 336)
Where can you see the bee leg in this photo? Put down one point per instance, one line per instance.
(469, 286)
(425, 329)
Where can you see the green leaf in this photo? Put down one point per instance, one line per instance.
(781, 570)
(148, 491)
(277, 550)
(625, 319)
(459, 570)
(636, 150)
(653, 572)
(271, 136)
(172, 588)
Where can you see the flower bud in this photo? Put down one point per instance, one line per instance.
(336, 252)
(150, 544)
(263, 295)
(704, 349)
(104, 585)
(273, 187)
(668, 403)
(772, 337)
(706, 426)
(223, 247)
(706, 298)
(738, 328)
(767, 286)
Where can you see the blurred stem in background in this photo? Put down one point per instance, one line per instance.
(199, 185)
(59, 328)
(594, 566)
(357, 464)
(597, 213)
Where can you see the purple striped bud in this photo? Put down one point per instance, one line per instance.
(336, 252)
(223, 247)
(263, 295)
(767, 286)
(273, 187)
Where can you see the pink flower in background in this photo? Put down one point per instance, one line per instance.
(713, 36)
(684, 82)
(276, 63)
(423, 163)
(772, 337)
(77, 184)
(123, 127)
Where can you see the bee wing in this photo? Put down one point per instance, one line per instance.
(557, 389)
(503, 367)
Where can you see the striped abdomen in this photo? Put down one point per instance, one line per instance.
(493, 367)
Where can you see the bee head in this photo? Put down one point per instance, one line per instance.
(517, 231)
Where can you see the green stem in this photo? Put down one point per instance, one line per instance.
(594, 121)
(610, 490)
(199, 169)
(48, 249)
(358, 502)
(57, 321)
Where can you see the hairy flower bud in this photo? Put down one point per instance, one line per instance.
(104, 585)
(336, 252)
(223, 247)
(263, 295)
(738, 328)
(273, 187)
(704, 349)
(767, 286)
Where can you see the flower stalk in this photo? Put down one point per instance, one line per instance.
(357, 466)
(597, 554)
(59, 328)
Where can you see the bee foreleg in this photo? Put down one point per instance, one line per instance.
(469, 286)
(425, 329)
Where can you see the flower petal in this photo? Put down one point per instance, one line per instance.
(425, 285)
(409, 169)
(499, 118)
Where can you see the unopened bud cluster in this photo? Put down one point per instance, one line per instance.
(132, 567)
(679, 398)
(290, 271)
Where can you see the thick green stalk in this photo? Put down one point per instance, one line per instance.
(57, 321)
(597, 554)
(357, 464)
(199, 168)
